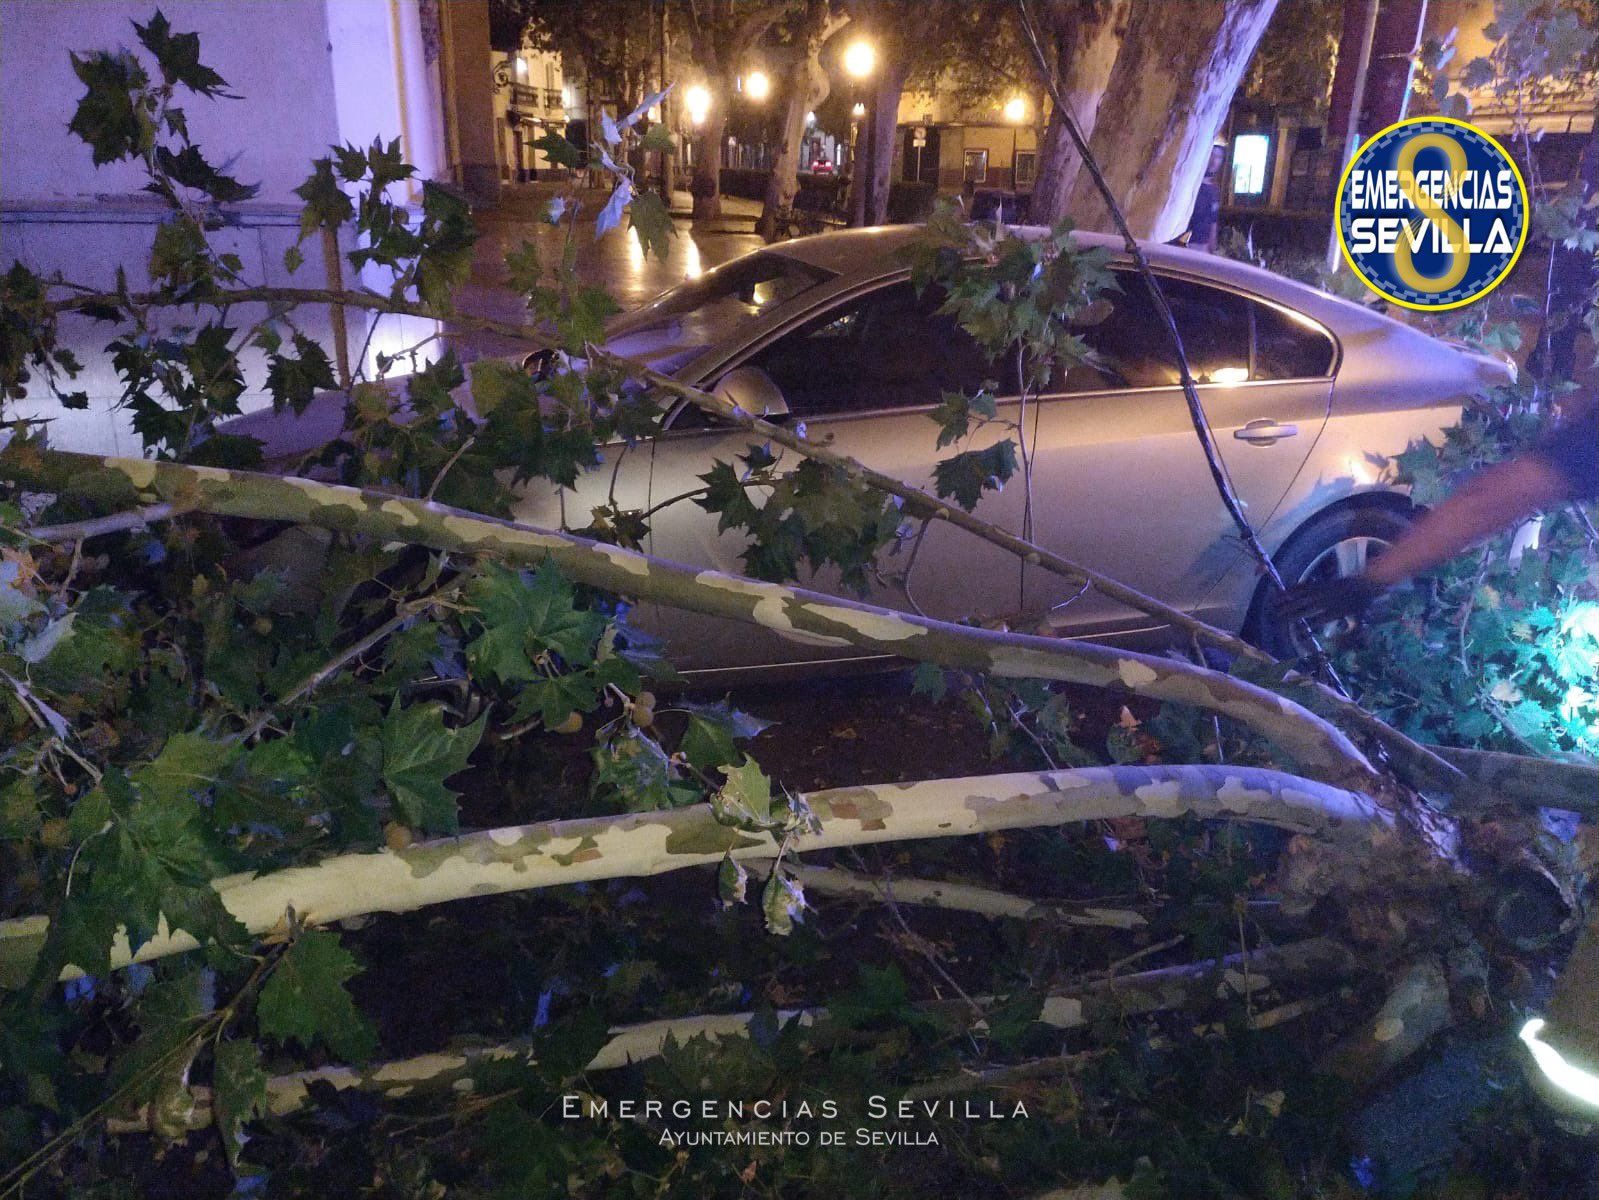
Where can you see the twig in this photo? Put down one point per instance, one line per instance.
(77, 531)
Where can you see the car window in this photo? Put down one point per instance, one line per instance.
(701, 312)
(1216, 326)
(1132, 349)
(890, 348)
(1288, 346)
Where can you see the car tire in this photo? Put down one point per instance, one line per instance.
(1332, 545)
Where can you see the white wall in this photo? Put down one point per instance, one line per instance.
(310, 73)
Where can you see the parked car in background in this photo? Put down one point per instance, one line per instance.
(1308, 396)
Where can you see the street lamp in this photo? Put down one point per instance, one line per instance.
(860, 59)
(757, 85)
(697, 99)
(858, 111)
(1015, 113)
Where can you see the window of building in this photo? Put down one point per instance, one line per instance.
(1251, 152)
(976, 166)
(888, 349)
(1026, 168)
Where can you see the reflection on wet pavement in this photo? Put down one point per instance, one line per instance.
(615, 262)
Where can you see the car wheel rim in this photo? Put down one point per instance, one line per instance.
(1341, 560)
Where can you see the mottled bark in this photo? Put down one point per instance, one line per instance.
(721, 34)
(883, 113)
(807, 86)
(1197, 985)
(1494, 777)
(554, 853)
(1416, 765)
(705, 185)
(1318, 748)
(1415, 1011)
(1168, 93)
(1084, 37)
(961, 897)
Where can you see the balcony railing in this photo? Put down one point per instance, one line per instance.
(523, 96)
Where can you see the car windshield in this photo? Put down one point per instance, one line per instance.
(701, 312)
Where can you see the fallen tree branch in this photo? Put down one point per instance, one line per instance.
(961, 897)
(1153, 991)
(1518, 779)
(1318, 748)
(1418, 765)
(526, 857)
(76, 531)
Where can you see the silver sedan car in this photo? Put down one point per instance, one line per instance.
(1308, 395)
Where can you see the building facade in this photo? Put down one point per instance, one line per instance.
(310, 74)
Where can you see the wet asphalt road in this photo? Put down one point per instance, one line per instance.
(615, 262)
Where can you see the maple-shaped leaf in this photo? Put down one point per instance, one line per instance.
(523, 616)
(305, 998)
(239, 1090)
(966, 476)
(293, 382)
(178, 55)
(708, 742)
(419, 753)
(745, 797)
(188, 763)
(782, 903)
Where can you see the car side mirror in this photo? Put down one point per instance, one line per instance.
(752, 390)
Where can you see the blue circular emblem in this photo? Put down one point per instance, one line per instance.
(1432, 213)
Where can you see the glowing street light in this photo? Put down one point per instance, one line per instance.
(697, 99)
(859, 110)
(860, 59)
(1016, 110)
(757, 85)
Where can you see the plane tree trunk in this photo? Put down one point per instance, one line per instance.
(1084, 36)
(1173, 79)
(808, 86)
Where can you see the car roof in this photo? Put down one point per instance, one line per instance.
(867, 253)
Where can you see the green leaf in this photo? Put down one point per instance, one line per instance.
(419, 753)
(294, 382)
(188, 763)
(956, 412)
(326, 205)
(658, 137)
(782, 903)
(305, 998)
(649, 217)
(524, 617)
(732, 881)
(107, 117)
(559, 151)
(713, 729)
(178, 55)
(966, 476)
(239, 1089)
(745, 797)
(494, 381)
(930, 681)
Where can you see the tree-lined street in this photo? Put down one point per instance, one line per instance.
(1139, 730)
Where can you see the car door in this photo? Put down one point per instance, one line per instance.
(1121, 483)
(862, 376)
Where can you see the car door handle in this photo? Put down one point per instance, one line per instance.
(1265, 432)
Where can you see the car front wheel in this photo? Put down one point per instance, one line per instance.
(1334, 545)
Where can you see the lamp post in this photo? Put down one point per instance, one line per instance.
(860, 60)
